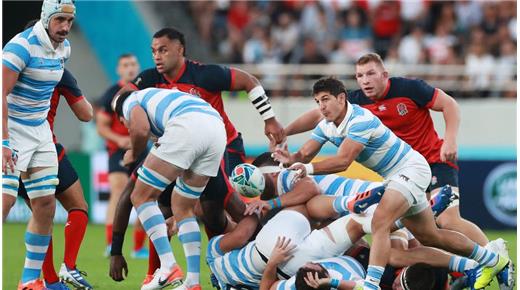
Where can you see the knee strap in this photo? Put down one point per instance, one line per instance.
(186, 190)
(42, 183)
(152, 178)
(10, 183)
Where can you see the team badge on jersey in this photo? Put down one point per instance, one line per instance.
(402, 109)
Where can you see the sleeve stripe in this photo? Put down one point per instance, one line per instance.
(257, 100)
(19, 51)
(10, 66)
(434, 97)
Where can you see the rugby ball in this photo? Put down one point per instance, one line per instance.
(247, 180)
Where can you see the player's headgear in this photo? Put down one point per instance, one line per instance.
(118, 101)
(51, 8)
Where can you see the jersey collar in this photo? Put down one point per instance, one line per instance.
(385, 92)
(343, 123)
(179, 74)
(43, 36)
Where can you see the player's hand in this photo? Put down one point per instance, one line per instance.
(117, 266)
(300, 169)
(256, 207)
(128, 158)
(274, 131)
(123, 142)
(282, 155)
(314, 281)
(282, 251)
(448, 151)
(171, 225)
(9, 158)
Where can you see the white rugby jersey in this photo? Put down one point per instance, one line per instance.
(383, 150)
(162, 105)
(331, 184)
(31, 54)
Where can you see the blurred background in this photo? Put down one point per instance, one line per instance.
(466, 48)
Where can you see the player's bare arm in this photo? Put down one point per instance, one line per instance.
(306, 153)
(247, 82)
(281, 253)
(103, 122)
(240, 235)
(83, 110)
(306, 122)
(450, 110)
(347, 152)
(9, 78)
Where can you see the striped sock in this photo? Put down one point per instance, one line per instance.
(374, 274)
(36, 246)
(153, 223)
(461, 264)
(340, 205)
(189, 235)
(483, 256)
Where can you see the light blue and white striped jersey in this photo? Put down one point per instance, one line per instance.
(162, 105)
(383, 150)
(238, 267)
(331, 184)
(40, 67)
(341, 268)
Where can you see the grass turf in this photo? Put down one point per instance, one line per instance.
(92, 261)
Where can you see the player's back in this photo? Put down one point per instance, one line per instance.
(341, 268)
(237, 267)
(163, 105)
(330, 184)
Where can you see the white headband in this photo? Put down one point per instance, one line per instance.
(270, 169)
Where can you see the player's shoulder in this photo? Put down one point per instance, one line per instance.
(67, 79)
(150, 75)
(207, 76)
(360, 114)
(358, 97)
(406, 87)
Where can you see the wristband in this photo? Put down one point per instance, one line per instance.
(275, 203)
(116, 249)
(5, 143)
(261, 102)
(334, 283)
(309, 168)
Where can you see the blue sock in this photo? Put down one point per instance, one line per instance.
(36, 246)
(155, 227)
(374, 274)
(340, 205)
(461, 264)
(189, 235)
(483, 256)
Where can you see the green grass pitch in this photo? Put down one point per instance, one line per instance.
(92, 261)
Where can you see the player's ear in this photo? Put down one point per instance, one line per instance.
(385, 74)
(342, 97)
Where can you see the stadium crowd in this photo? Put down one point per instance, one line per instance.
(475, 33)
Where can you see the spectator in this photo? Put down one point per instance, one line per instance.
(411, 47)
(386, 22)
(468, 13)
(318, 21)
(355, 37)
(439, 44)
(286, 34)
(480, 66)
(506, 68)
(260, 48)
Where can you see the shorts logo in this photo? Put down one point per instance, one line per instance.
(381, 108)
(500, 193)
(402, 109)
(405, 178)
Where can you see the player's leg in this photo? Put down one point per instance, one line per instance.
(117, 180)
(10, 187)
(422, 225)
(153, 177)
(392, 206)
(451, 219)
(8, 201)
